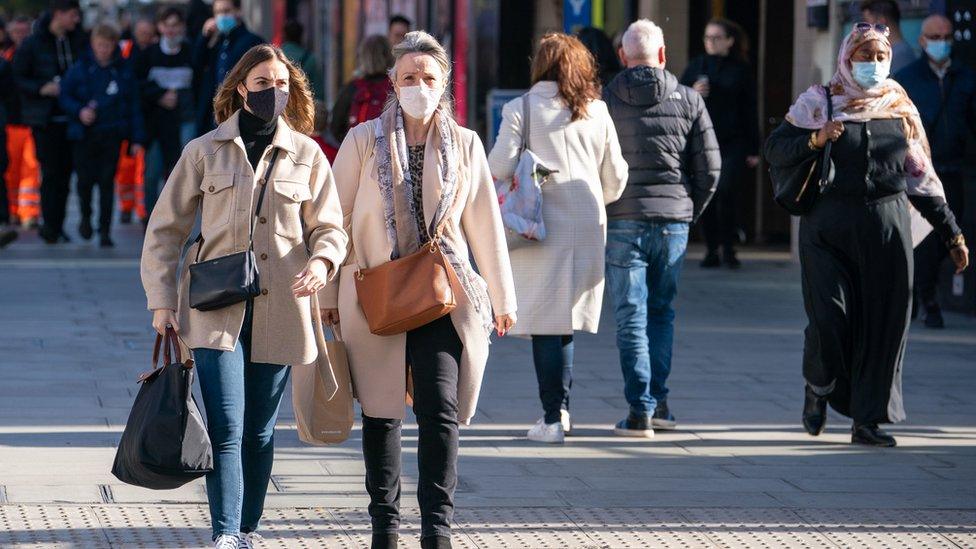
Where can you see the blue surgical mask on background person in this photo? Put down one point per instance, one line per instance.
(225, 23)
(869, 74)
(938, 50)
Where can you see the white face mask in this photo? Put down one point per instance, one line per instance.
(419, 101)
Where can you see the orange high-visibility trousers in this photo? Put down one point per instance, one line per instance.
(129, 181)
(23, 174)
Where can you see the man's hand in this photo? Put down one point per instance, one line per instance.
(87, 116)
(169, 100)
(51, 89)
(960, 257)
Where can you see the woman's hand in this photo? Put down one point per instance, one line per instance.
(330, 317)
(960, 257)
(312, 278)
(164, 318)
(504, 323)
(831, 131)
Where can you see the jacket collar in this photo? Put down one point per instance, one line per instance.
(230, 130)
(547, 88)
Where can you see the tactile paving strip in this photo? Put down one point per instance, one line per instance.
(356, 525)
(874, 528)
(755, 528)
(637, 528)
(50, 526)
(521, 528)
(959, 527)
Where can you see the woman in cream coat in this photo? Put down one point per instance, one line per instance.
(559, 281)
(398, 176)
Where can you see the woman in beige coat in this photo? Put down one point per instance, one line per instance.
(398, 177)
(559, 281)
(242, 351)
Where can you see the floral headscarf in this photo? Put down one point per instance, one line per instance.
(852, 103)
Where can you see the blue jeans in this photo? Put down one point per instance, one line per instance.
(553, 357)
(643, 263)
(241, 399)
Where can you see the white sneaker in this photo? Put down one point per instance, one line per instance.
(227, 541)
(566, 421)
(247, 540)
(550, 433)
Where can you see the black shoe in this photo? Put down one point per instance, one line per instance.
(814, 412)
(7, 235)
(730, 259)
(105, 241)
(435, 542)
(384, 541)
(662, 418)
(637, 426)
(711, 261)
(871, 435)
(85, 229)
(933, 315)
(125, 218)
(64, 238)
(48, 235)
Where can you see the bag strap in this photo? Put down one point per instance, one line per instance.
(825, 163)
(526, 121)
(257, 210)
(170, 346)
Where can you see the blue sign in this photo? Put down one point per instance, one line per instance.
(576, 15)
(496, 100)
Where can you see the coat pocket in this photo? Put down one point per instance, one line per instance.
(288, 215)
(218, 201)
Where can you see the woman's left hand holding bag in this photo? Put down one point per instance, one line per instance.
(312, 278)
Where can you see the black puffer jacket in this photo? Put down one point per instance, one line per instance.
(667, 139)
(39, 60)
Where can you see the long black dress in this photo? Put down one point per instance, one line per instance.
(856, 265)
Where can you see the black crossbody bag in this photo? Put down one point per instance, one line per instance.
(229, 279)
(795, 188)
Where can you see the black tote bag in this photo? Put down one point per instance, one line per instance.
(165, 442)
(796, 188)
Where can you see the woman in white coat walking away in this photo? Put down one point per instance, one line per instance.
(559, 281)
(402, 178)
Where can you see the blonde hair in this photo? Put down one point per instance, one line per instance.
(299, 112)
(421, 42)
(375, 55)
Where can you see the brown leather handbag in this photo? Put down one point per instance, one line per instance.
(409, 292)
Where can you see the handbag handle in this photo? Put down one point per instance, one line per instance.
(825, 164)
(257, 210)
(170, 346)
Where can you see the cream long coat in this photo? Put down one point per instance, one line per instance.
(214, 177)
(559, 281)
(378, 363)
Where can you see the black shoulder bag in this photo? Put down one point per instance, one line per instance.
(794, 187)
(229, 279)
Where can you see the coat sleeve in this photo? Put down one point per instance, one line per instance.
(339, 124)
(69, 99)
(936, 211)
(504, 155)
(613, 168)
(169, 226)
(704, 157)
(23, 66)
(137, 126)
(346, 170)
(322, 217)
(484, 233)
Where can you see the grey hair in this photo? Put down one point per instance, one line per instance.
(642, 40)
(422, 42)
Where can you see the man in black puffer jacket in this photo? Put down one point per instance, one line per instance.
(667, 138)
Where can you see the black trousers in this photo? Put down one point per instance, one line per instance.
(434, 353)
(856, 269)
(54, 157)
(167, 134)
(4, 197)
(932, 251)
(718, 219)
(96, 161)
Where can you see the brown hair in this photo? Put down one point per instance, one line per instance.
(105, 32)
(299, 112)
(740, 44)
(566, 60)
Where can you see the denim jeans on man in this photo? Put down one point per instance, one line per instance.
(241, 399)
(643, 263)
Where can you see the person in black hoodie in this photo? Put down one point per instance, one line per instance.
(39, 64)
(667, 139)
(101, 97)
(723, 77)
(224, 41)
(165, 73)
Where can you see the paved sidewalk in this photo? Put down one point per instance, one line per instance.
(740, 472)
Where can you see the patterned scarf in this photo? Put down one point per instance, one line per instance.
(852, 103)
(396, 189)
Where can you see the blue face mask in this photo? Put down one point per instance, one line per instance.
(226, 23)
(938, 50)
(869, 74)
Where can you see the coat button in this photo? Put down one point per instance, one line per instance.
(261, 181)
(264, 256)
(264, 291)
(211, 189)
(262, 219)
(294, 196)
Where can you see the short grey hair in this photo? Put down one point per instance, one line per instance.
(642, 40)
(422, 42)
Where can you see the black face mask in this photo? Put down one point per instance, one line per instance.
(267, 104)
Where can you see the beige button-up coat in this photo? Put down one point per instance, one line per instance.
(299, 220)
(378, 363)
